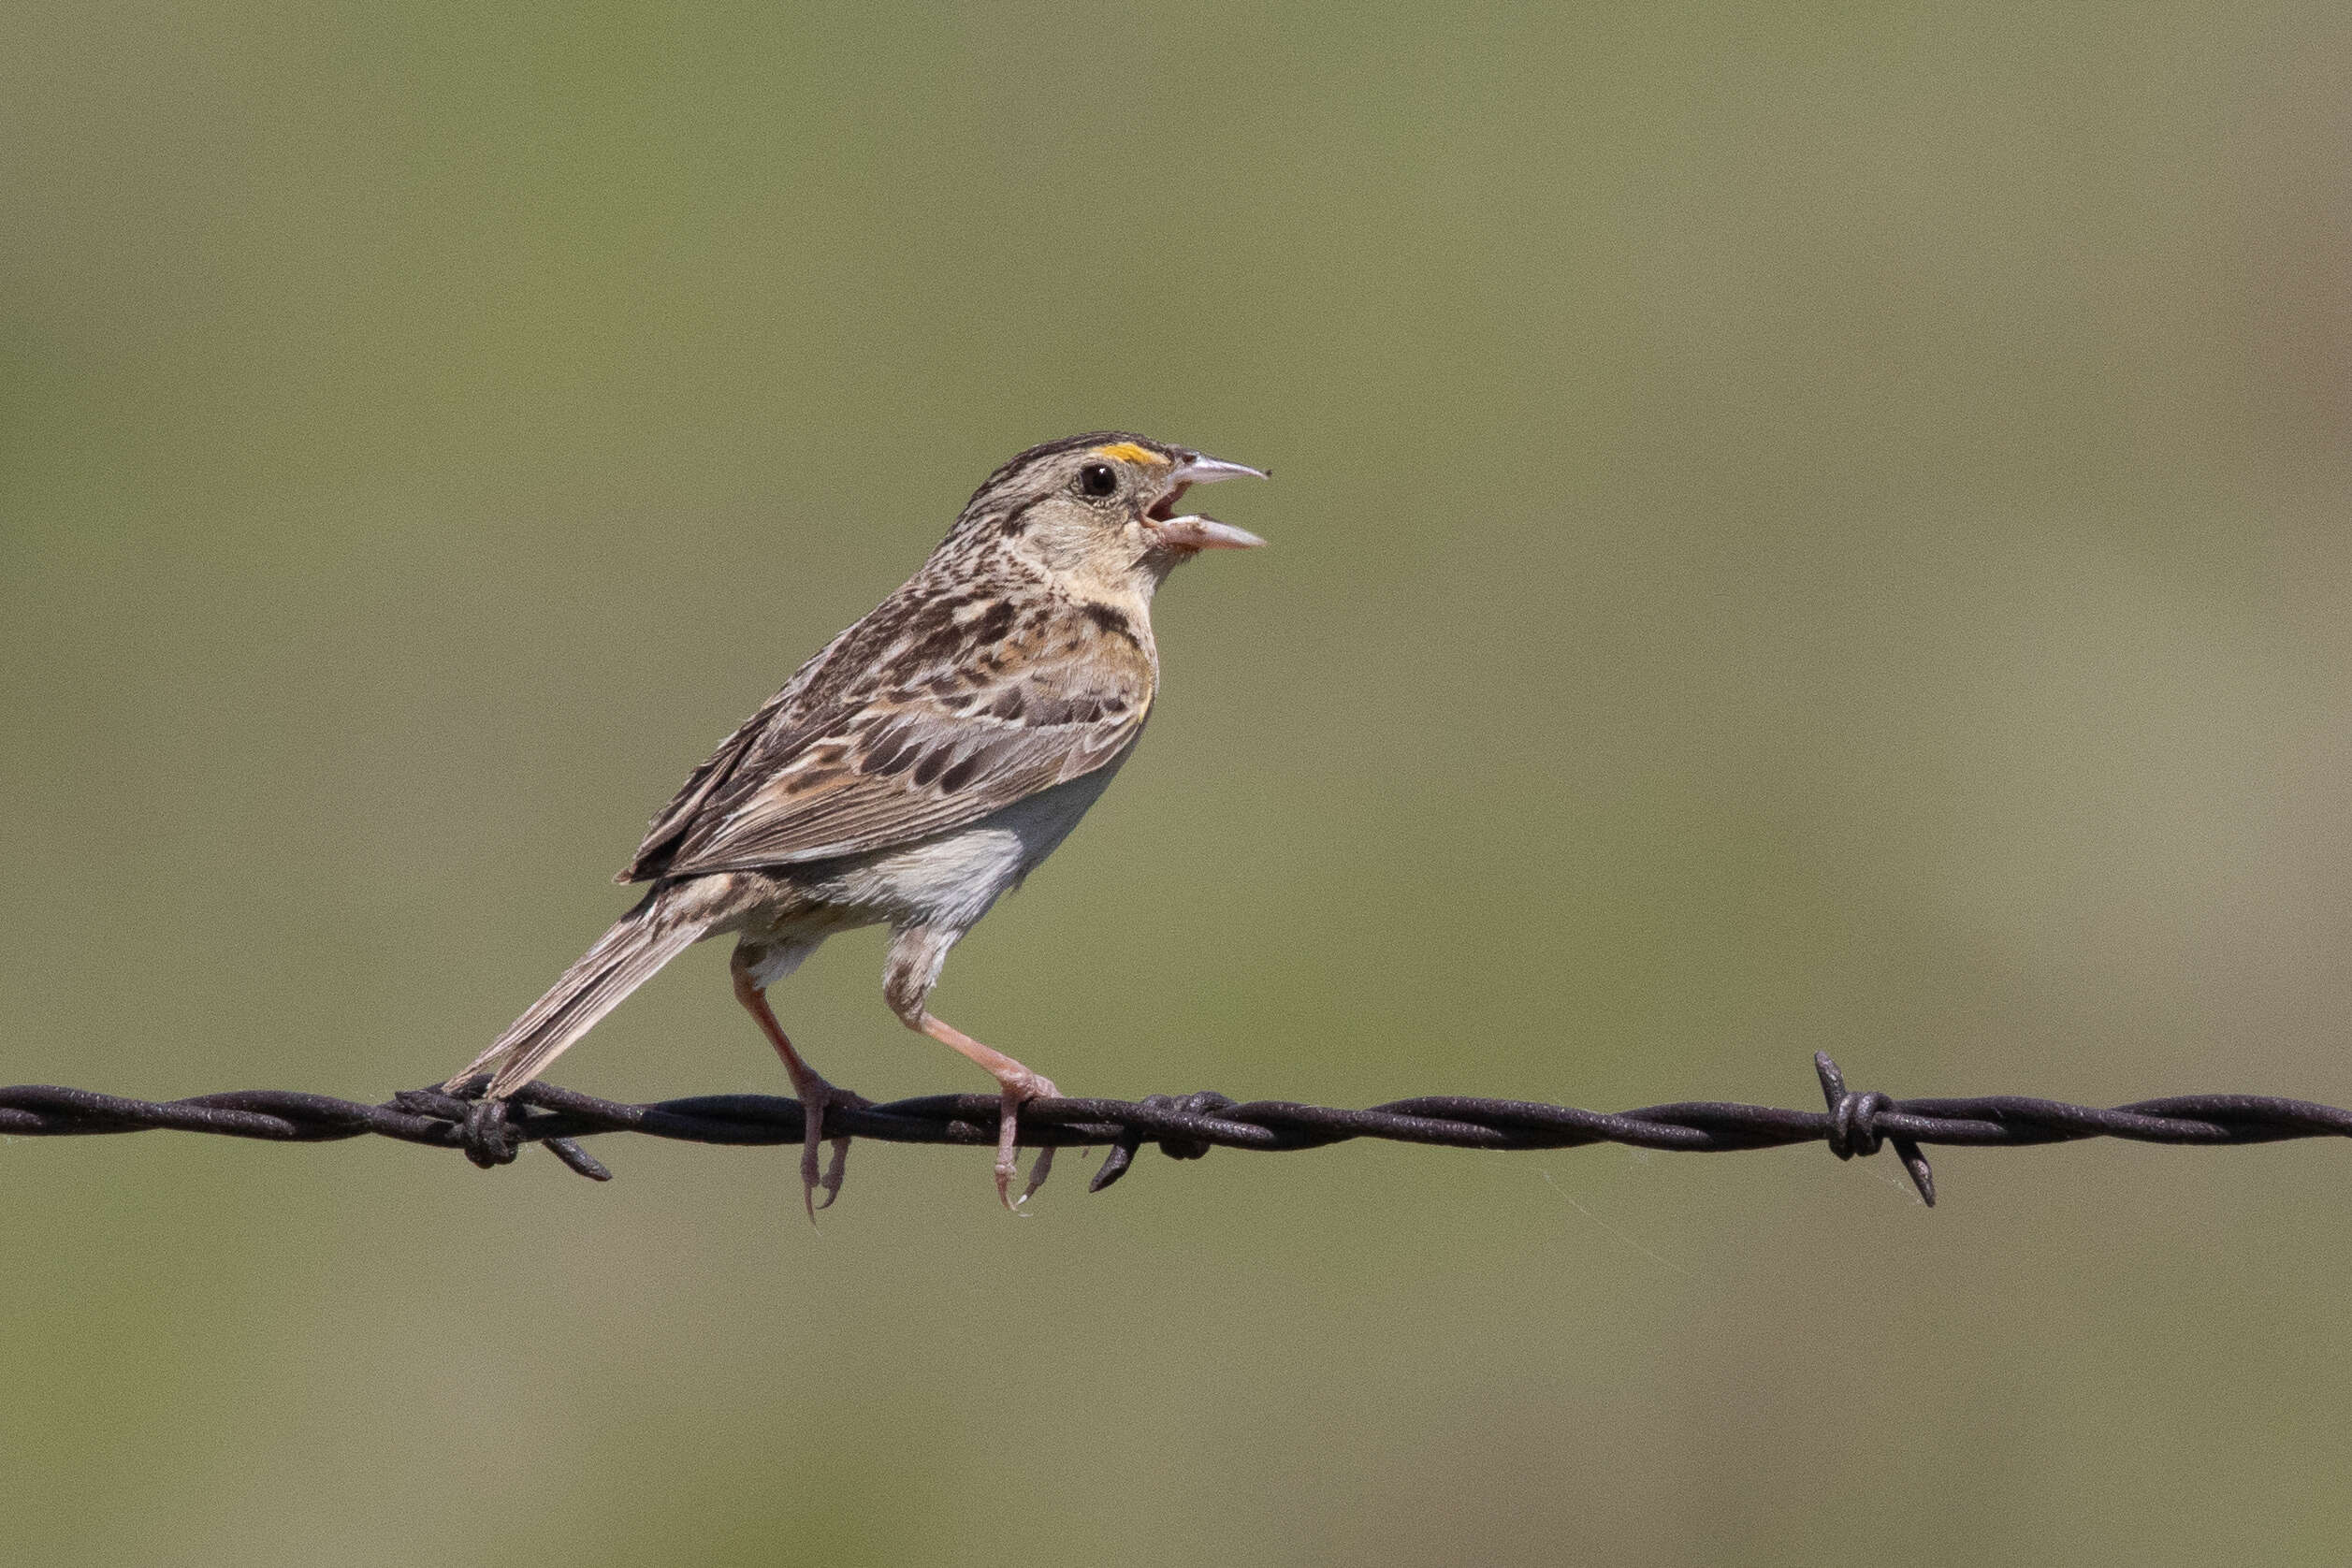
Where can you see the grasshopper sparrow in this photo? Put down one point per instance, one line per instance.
(919, 766)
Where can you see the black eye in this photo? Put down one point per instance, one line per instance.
(1096, 480)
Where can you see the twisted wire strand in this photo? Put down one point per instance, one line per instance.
(1854, 1125)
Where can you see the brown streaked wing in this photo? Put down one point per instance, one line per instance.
(904, 767)
(811, 685)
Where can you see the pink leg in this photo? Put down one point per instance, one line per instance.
(1020, 1087)
(812, 1091)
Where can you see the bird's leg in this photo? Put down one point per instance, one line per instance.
(912, 967)
(809, 1086)
(1020, 1087)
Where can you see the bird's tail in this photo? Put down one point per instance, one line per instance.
(623, 959)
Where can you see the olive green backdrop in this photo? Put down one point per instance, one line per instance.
(1795, 527)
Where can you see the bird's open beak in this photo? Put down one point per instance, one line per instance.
(1190, 531)
(1199, 470)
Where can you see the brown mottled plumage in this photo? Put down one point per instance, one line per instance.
(920, 765)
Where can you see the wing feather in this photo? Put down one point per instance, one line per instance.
(845, 760)
(671, 823)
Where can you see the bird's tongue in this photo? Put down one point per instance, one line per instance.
(1164, 509)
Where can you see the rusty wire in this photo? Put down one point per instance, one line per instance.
(494, 1132)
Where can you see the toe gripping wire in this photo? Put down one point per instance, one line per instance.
(491, 1133)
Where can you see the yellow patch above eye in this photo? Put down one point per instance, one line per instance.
(1129, 452)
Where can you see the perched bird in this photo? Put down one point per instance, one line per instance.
(919, 766)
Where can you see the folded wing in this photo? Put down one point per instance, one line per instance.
(848, 758)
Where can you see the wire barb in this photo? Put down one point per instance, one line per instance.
(492, 1133)
(1854, 1126)
(1175, 1145)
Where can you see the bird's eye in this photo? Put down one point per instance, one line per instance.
(1096, 480)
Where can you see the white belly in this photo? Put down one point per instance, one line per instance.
(950, 880)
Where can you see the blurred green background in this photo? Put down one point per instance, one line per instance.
(1795, 527)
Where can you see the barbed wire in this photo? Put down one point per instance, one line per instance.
(494, 1132)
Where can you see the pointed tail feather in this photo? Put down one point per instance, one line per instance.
(623, 959)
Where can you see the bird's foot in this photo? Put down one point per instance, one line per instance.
(815, 1096)
(1020, 1087)
(1019, 1092)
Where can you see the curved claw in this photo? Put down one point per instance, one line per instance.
(830, 1184)
(815, 1096)
(1018, 1092)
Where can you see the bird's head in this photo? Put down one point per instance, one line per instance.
(1105, 507)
